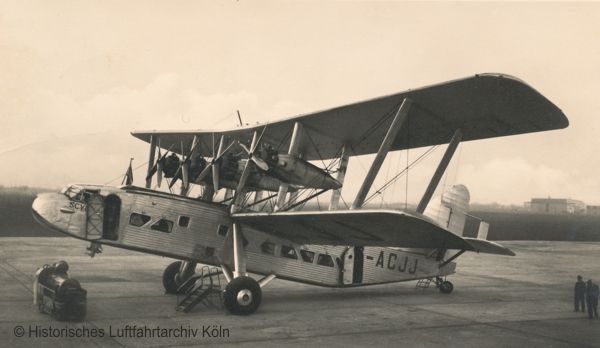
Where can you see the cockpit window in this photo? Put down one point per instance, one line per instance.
(75, 193)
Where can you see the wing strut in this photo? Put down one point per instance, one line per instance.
(239, 256)
(384, 148)
(439, 172)
(295, 143)
(151, 160)
(452, 258)
(341, 173)
(240, 190)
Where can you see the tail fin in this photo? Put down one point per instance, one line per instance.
(451, 210)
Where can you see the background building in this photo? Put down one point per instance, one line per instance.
(557, 206)
(593, 210)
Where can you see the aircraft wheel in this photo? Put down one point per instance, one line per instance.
(446, 287)
(169, 274)
(242, 296)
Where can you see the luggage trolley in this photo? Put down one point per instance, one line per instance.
(58, 295)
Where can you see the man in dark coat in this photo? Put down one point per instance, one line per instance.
(579, 294)
(591, 292)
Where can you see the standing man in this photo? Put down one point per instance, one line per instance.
(579, 294)
(592, 299)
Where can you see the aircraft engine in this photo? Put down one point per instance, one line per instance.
(170, 166)
(296, 171)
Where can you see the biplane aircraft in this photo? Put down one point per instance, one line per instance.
(268, 171)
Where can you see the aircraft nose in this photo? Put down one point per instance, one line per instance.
(43, 208)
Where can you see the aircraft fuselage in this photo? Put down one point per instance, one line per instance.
(188, 229)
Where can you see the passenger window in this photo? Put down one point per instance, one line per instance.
(325, 260)
(184, 221)
(222, 230)
(268, 248)
(162, 225)
(138, 220)
(307, 256)
(288, 252)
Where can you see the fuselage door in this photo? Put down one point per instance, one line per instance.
(348, 274)
(95, 215)
(353, 265)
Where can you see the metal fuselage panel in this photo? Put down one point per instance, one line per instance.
(206, 238)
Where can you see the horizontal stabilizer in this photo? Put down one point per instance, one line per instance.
(485, 246)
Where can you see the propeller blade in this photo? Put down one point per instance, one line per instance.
(259, 139)
(254, 143)
(194, 146)
(215, 176)
(260, 163)
(226, 149)
(245, 148)
(159, 172)
(220, 151)
(185, 169)
(213, 143)
(160, 158)
(243, 178)
(204, 172)
(152, 172)
(154, 168)
(177, 175)
(173, 181)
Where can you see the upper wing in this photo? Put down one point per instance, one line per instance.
(355, 227)
(483, 106)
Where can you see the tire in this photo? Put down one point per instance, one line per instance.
(446, 287)
(242, 296)
(169, 282)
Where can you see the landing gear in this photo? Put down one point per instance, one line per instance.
(169, 275)
(445, 287)
(242, 296)
(176, 274)
(93, 249)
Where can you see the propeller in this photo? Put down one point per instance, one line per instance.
(158, 166)
(213, 163)
(247, 168)
(260, 163)
(184, 165)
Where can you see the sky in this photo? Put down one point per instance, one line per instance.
(78, 76)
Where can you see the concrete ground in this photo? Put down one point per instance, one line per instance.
(497, 301)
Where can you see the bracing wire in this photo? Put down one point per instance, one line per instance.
(121, 175)
(407, 160)
(399, 175)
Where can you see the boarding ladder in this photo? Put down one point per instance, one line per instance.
(423, 283)
(203, 287)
